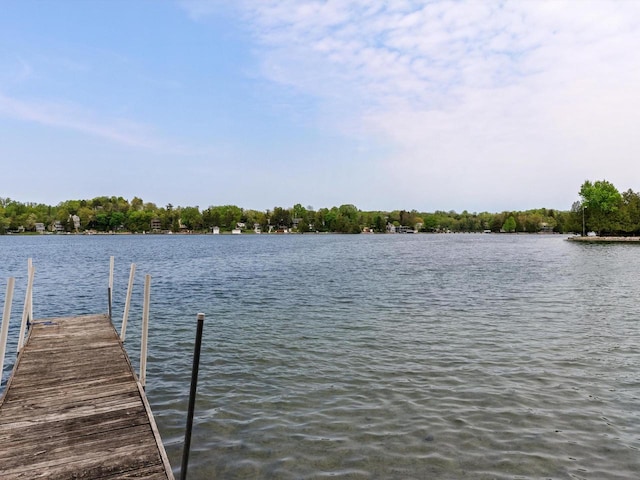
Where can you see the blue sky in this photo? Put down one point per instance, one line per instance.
(483, 106)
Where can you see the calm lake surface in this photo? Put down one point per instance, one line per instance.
(371, 356)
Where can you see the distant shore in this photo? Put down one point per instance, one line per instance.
(605, 239)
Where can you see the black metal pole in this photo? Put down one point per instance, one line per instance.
(192, 398)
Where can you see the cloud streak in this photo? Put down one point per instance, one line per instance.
(68, 116)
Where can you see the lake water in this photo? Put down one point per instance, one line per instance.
(371, 356)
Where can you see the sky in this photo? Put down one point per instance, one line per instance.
(426, 105)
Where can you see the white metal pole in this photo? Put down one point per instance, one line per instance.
(127, 303)
(145, 330)
(6, 315)
(111, 265)
(25, 310)
(110, 288)
(29, 267)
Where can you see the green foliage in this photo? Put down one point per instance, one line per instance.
(191, 218)
(606, 211)
(303, 227)
(225, 216)
(509, 225)
(600, 203)
(281, 217)
(601, 195)
(139, 221)
(379, 223)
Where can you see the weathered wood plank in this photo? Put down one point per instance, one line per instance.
(79, 426)
(68, 374)
(53, 387)
(94, 464)
(73, 408)
(70, 448)
(47, 411)
(55, 395)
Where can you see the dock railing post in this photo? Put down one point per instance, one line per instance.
(127, 303)
(192, 397)
(110, 288)
(145, 330)
(26, 309)
(29, 267)
(6, 315)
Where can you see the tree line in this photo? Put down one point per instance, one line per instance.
(604, 210)
(601, 209)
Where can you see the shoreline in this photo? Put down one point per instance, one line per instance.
(605, 239)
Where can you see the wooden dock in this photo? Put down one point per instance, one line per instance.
(73, 408)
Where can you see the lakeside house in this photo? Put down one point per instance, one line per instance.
(391, 228)
(545, 228)
(76, 222)
(156, 225)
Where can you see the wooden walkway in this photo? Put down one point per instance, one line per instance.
(73, 408)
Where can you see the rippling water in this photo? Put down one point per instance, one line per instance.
(373, 357)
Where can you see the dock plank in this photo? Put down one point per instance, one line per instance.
(73, 408)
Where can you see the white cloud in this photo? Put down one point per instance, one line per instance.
(471, 93)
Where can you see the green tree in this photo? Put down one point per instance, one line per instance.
(497, 221)
(281, 217)
(102, 221)
(630, 212)
(299, 212)
(191, 218)
(116, 221)
(532, 222)
(4, 224)
(211, 217)
(601, 201)
(86, 215)
(509, 224)
(379, 224)
(5, 221)
(139, 221)
(30, 222)
(232, 214)
(136, 204)
(303, 226)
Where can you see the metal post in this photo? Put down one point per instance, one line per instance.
(109, 302)
(29, 267)
(4, 331)
(127, 303)
(145, 330)
(110, 287)
(192, 398)
(25, 310)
